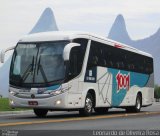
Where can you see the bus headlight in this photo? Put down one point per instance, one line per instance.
(58, 102)
(62, 90)
(11, 102)
(12, 92)
(56, 92)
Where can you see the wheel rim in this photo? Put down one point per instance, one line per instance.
(88, 105)
(138, 104)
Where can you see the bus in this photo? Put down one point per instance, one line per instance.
(78, 71)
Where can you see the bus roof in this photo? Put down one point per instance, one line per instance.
(69, 35)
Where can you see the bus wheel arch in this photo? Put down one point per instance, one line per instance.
(90, 100)
(92, 92)
(138, 104)
(140, 95)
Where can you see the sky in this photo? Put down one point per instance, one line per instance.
(17, 17)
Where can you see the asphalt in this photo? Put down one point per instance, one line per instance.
(67, 123)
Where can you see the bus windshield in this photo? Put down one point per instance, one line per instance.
(38, 64)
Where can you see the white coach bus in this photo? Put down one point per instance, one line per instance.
(53, 71)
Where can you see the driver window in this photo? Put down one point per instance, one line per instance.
(77, 57)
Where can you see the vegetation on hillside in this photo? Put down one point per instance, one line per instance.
(157, 92)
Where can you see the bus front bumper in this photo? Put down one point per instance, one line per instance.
(54, 102)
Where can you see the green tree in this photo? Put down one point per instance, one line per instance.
(157, 92)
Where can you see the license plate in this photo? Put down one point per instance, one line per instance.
(33, 103)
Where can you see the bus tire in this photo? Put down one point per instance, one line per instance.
(88, 107)
(138, 105)
(40, 112)
(101, 110)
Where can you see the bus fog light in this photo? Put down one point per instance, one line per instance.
(12, 92)
(58, 102)
(11, 102)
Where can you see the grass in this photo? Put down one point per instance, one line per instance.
(4, 105)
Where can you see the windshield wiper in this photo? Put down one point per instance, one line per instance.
(28, 71)
(42, 70)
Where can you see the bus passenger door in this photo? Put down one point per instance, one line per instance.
(77, 56)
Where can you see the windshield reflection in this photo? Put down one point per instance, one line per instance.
(38, 64)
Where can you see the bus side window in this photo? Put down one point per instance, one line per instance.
(108, 56)
(92, 61)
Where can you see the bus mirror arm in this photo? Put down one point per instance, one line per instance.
(67, 50)
(3, 52)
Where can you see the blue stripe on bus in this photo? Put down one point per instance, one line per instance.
(55, 87)
(137, 79)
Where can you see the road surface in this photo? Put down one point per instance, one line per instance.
(115, 119)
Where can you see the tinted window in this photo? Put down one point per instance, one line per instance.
(108, 56)
(76, 58)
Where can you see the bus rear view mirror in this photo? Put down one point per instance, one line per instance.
(67, 49)
(3, 52)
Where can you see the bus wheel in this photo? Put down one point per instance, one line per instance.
(40, 112)
(137, 106)
(101, 110)
(87, 110)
